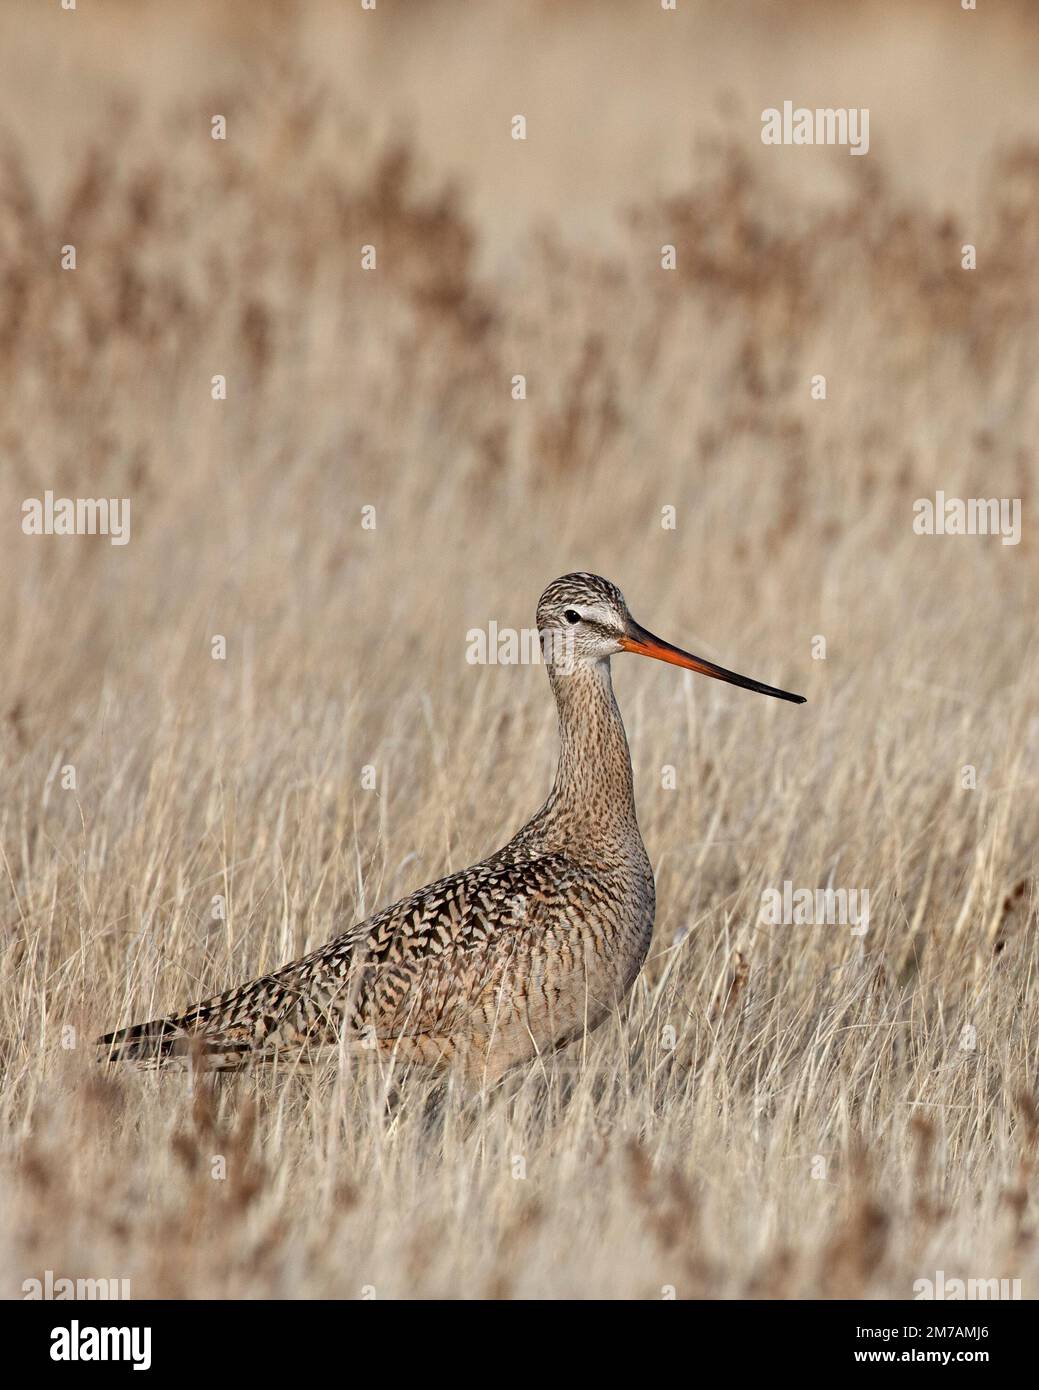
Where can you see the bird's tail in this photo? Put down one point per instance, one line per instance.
(225, 1033)
(167, 1043)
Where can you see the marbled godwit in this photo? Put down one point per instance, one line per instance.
(491, 966)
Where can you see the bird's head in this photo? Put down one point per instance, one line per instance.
(583, 618)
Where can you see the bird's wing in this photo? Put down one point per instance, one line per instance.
(414, 968)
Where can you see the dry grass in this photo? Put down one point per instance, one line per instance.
(645, 1166)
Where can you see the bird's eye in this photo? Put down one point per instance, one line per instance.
(571, 615)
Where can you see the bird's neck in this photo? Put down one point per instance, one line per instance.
(592, 798)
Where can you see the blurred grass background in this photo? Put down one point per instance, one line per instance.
(346, 647)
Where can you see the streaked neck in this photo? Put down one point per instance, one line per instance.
(593, 794)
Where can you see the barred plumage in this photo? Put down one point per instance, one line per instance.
(491, 966)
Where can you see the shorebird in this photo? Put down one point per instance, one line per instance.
(499, 963)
